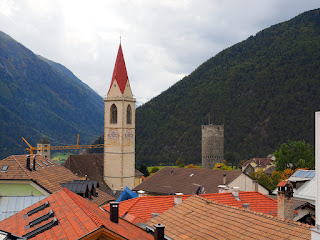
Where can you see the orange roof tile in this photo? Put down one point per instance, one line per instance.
(282, 183)
(138, 210)
(199, 218)
(48, 174)
(77, 217)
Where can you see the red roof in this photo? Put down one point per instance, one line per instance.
(138, 210)
(200, 218)
(120, 71)
(282, 183)
(77, 217)
(48, 174)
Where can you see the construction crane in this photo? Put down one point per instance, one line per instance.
(77, 146)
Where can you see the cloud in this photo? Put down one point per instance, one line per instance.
(162, 40)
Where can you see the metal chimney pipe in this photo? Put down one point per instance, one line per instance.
(28, 162)
(114, 212)
(158, 232)
(224, 179)
(34, 163)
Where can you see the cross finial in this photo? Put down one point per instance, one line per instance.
(120, 38)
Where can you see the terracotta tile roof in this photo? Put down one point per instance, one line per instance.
(282, 183)
(48, 174)
(138, 210)
(77, 217)
(120, 71)
(199, 218)
(185, 180)
(261, 162)
(78, 164)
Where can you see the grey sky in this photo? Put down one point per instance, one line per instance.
(162, 41)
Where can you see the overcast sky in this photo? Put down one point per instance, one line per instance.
(162, 40)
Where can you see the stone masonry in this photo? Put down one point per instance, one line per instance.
(212, 145)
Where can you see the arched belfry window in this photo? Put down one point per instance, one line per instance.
(113, 114)
(129, 114)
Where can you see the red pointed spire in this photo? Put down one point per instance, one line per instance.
(120, 72)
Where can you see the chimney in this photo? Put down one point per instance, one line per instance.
(235, 193)
(28, 162)
(153, 215)
(34, 163)
(246, 205)
(158, 232)
(224, 179)
(178, 198)
(255, 185)
(285, 200)
(114, 212)
(141, 193)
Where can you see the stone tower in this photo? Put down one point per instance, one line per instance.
(119, 129)
(212, 145)
(43, 147)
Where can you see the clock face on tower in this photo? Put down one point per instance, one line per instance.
(129, 137)
(113, 136)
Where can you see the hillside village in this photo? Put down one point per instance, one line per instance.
(104, 196)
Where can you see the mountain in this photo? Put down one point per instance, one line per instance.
(40, 97)
(264, 90)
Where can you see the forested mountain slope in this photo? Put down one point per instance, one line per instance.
(39, 97)
(264, 90)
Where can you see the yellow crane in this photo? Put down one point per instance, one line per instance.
(77, 146)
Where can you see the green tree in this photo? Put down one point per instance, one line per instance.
(154, 169)
(294, 154)
(263, 179)
(180, 161)
(232, 158)
(143, 169)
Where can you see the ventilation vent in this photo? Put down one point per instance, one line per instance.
(39, 164)
(45, 163)
(35, 210)
(50, 162)
(41, 229)
(40, 219)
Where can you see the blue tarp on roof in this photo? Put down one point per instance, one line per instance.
(126, 194)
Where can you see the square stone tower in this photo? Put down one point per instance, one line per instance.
(212, 145)
(119, 129)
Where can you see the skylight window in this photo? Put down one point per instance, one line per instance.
(4, 168)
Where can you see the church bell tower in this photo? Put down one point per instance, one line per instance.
(119, 129)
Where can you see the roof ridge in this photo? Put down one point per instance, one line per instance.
(21, 166)
(80, 203)
(137, 199)
(255, 213)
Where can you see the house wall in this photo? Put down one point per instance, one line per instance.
(21, 188)
(246, 184)
(137, 181)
